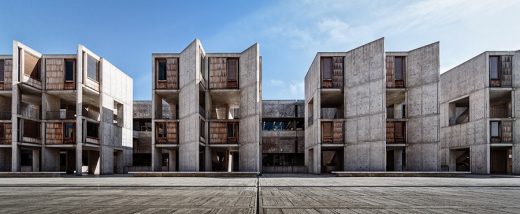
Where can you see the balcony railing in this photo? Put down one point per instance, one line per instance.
(60, 115)
(331, 113)
(5, 115)
(31, 113)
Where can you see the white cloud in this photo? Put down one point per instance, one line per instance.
(276, 82)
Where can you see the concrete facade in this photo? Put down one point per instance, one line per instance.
(193, 85)
(481, 137)
(346, 120)
(68, 113)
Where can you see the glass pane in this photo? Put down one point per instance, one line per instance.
(493, 67)
(69, 70)
(399, 68)
(92, 68)
(162, 70)
(327, 68)
(494, 129)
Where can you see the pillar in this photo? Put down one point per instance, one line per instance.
(398, 160)
(36, 160)
(172, 160)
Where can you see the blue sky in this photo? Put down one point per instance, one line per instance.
(289, 32)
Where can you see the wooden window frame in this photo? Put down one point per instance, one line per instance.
(73, 70)
(157, 66)
(498, 68)
(234, 81)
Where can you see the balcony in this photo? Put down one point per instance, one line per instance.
(501, 131)
(224, 132)
(332, 132)
(60, 115)
(223, 73)
(5, 115)
(166, 133)
(5, 134)
(30, 113)
(500, 71)
(396, 132)
(60, 133)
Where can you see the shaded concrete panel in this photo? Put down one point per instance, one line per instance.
(5, 159)
(464, 79)
(188, 109)
(50, 160)
(364, 101)
(250, 110)
(479, 158)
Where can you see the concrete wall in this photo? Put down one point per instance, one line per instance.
(422, 79)
(516, 113)
(365, 148)
(116, 86)
(312, 133)
(188, 109)
(250, 81)
(282, 108)
(468, 79)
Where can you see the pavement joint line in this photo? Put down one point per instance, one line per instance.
(110, 186)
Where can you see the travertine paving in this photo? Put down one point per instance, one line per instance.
(275, 194)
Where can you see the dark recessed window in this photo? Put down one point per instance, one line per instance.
(2, 72)
(326, 66)
(494, 73)
(92, 68)
(68, 130)
(92, 130)
(161, 68)
(69, 69)
(399, 68)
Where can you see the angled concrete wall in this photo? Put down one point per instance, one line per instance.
(312, 133)
(365, 148)
(188, 108)
(250, 109)
(422, 79)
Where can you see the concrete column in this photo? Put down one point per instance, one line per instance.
(515, 152)
(172, 160)
(16, 158)
(156, 158)
(398, 160)
(94, 167)
(230, 161)
(79, 158)
(36, 160)
(50, 159)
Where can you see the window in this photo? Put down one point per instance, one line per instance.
(232, 69)
(326, 68)
(68, 130)
(494, 69)
(92, 68)
(161, 69)
(2, 72)
(161, 130)
(92, 130)
(459, 111)
(32, 66)
(399, 68)
(495, 129)
(69, 69)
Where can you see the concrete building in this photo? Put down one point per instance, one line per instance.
(478, 126)
(66, 112)
(212, 117)
(283, 136)
(371, 110)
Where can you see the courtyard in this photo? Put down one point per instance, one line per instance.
(265, 194)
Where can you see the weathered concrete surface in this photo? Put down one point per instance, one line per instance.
(250, 81)
(188, 109)
(422, 133)
(283, 108)
(365, 148)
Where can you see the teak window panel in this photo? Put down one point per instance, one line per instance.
(167, 72)
(166, 132)
(331, 69)
(501, 131)
(224, 72)
(395, 71)
(332, 132)
(2, 70)
(500, 71)
(224, 132)
(396, 132)
(6, 70)
(5, 133)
